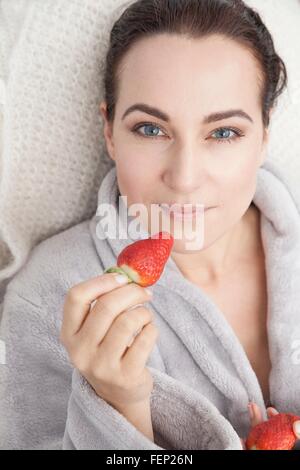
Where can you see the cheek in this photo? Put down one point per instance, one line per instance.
(236, 188)
(135, 179)
(238, 176)
(137, 160)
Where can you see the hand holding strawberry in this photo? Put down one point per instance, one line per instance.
(107, 331)
(279, 432)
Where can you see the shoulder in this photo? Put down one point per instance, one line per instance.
(56, 264)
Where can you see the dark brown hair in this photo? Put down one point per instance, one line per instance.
(195, 19)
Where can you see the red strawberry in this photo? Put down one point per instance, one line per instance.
(144, 260)
(275, 434)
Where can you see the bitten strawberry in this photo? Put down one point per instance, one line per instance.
(144, 260)
(275, 434)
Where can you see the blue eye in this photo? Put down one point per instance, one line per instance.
(225, 134)
(148, 126)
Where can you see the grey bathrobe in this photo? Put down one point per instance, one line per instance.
(203, 379)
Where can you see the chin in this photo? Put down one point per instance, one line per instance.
(186, 246)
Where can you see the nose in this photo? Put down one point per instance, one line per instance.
(183, 175)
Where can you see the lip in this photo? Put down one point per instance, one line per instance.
(183, 209)
(181, 214)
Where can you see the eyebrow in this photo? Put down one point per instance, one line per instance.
(218, 116)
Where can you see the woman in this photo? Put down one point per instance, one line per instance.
(183, 80)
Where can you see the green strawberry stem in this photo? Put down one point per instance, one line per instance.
(117, 269)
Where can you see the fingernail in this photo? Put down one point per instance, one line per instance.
(297, 428)
(121, 279)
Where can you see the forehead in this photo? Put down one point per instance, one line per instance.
(176, 72)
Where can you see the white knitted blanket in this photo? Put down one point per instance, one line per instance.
(53, 156)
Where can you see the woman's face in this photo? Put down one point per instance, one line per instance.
(189, 154)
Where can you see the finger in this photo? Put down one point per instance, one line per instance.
(255, 413)
(106, 310)
(79, 298)
(122, 331)
(139, 330)
(135, 358)
(272, 412)
(296, 429)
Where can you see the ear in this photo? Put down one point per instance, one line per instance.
(265, 141)
(264, 146)
(107, 130)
